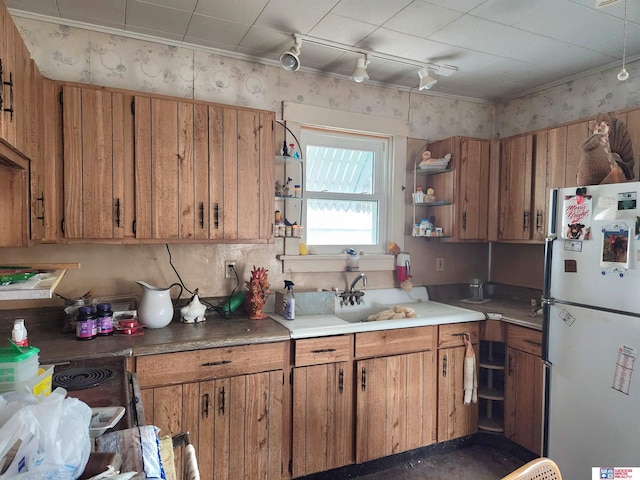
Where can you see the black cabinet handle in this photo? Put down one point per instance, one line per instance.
(118, 212)
(363, 385)
(202, 215)
(538, 220)
(525, 220)
(1, 84)
(206, 405)
(215, 364)
(10, 84)
(216, 216)
(464, 221)
(341, 381)
(444, 366)
(41, 200)
(324, 350)
(222, 401)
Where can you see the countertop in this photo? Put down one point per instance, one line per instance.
(45, 329)
(56, 347)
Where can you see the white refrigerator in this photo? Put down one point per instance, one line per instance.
(591, 330)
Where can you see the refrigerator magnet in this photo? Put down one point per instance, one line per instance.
(576, 217)
(615, 247)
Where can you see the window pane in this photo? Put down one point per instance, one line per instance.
(342, 222)
(339, 170)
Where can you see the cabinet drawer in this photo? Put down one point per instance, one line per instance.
(525, 339)
(315, 351)
(197, 365)
(450, 335)
(391, 342)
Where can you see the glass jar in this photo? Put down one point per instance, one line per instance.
(104, 319)
(86, 328)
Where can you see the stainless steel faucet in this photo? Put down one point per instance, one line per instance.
(355, 280)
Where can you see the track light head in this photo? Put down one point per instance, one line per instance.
(290, 60)
(360, 73)
(426, 81)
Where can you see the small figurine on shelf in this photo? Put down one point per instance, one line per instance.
(294, 152)
(430, 197)
(279, 189)
(426, 158)
(285, 149)
(285, 189)
(278, 218)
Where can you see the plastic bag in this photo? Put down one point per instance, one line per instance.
(53, 439)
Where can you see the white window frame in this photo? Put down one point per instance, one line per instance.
(380, 146)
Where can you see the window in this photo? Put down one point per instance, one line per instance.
(346, 186)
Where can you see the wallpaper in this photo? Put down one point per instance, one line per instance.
(79, 55)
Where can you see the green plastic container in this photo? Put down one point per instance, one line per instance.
(18, 364)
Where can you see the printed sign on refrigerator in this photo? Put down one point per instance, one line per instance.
(576, 217)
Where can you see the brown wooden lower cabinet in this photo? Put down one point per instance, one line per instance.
(523, 399)
(396, 404)
(395, 391)
(455, 419)
(235, 421)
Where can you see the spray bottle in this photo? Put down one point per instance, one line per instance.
(19, 333)
(289, 304)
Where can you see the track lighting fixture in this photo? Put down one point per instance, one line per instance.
(426, 81)
(289, 60)
(360, 73)
(623, 74)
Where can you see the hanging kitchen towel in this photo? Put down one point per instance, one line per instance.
(470, 377)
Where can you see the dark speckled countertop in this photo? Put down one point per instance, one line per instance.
(45, 332)
(45, 327)
(513, 303)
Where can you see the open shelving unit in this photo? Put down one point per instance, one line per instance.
(442, 208)
(491, 386)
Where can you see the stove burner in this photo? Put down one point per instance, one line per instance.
(82, 377)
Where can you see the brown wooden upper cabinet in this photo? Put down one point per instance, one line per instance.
(202, 171)
(465, 188)
(96, 160)
(516, 161)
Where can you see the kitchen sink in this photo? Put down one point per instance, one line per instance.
(354, 318)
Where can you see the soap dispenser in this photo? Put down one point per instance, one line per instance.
(289, 302)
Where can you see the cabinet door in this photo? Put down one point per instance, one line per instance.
(247, 175)
(455, 419)
(516, 156)
(396, 404)
(8, 119)
(523, 399)
(34, 150)
(472, 199)
(235, 424)
(94, 162)
(322, 417)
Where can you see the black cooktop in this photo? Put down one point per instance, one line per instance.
(79, 378)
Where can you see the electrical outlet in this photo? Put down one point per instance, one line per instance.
(229, 269)
(440, 264)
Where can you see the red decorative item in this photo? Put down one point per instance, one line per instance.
(258, 293)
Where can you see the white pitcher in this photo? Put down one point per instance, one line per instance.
(155, 309)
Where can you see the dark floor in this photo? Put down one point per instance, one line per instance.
(480, 457)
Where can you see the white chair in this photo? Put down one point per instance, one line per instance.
(538, 469)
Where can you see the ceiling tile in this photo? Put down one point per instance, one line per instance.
(388, 41)
(42, 7)
(155, 33)
(374, 12)
(216, 30)
(111, 11)
(292, 17)
(186, 5)
(459, 5)
(154, 17)
(342, 29)
(485, 36)
(239, 11)
(421, 19)
(266, 41)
